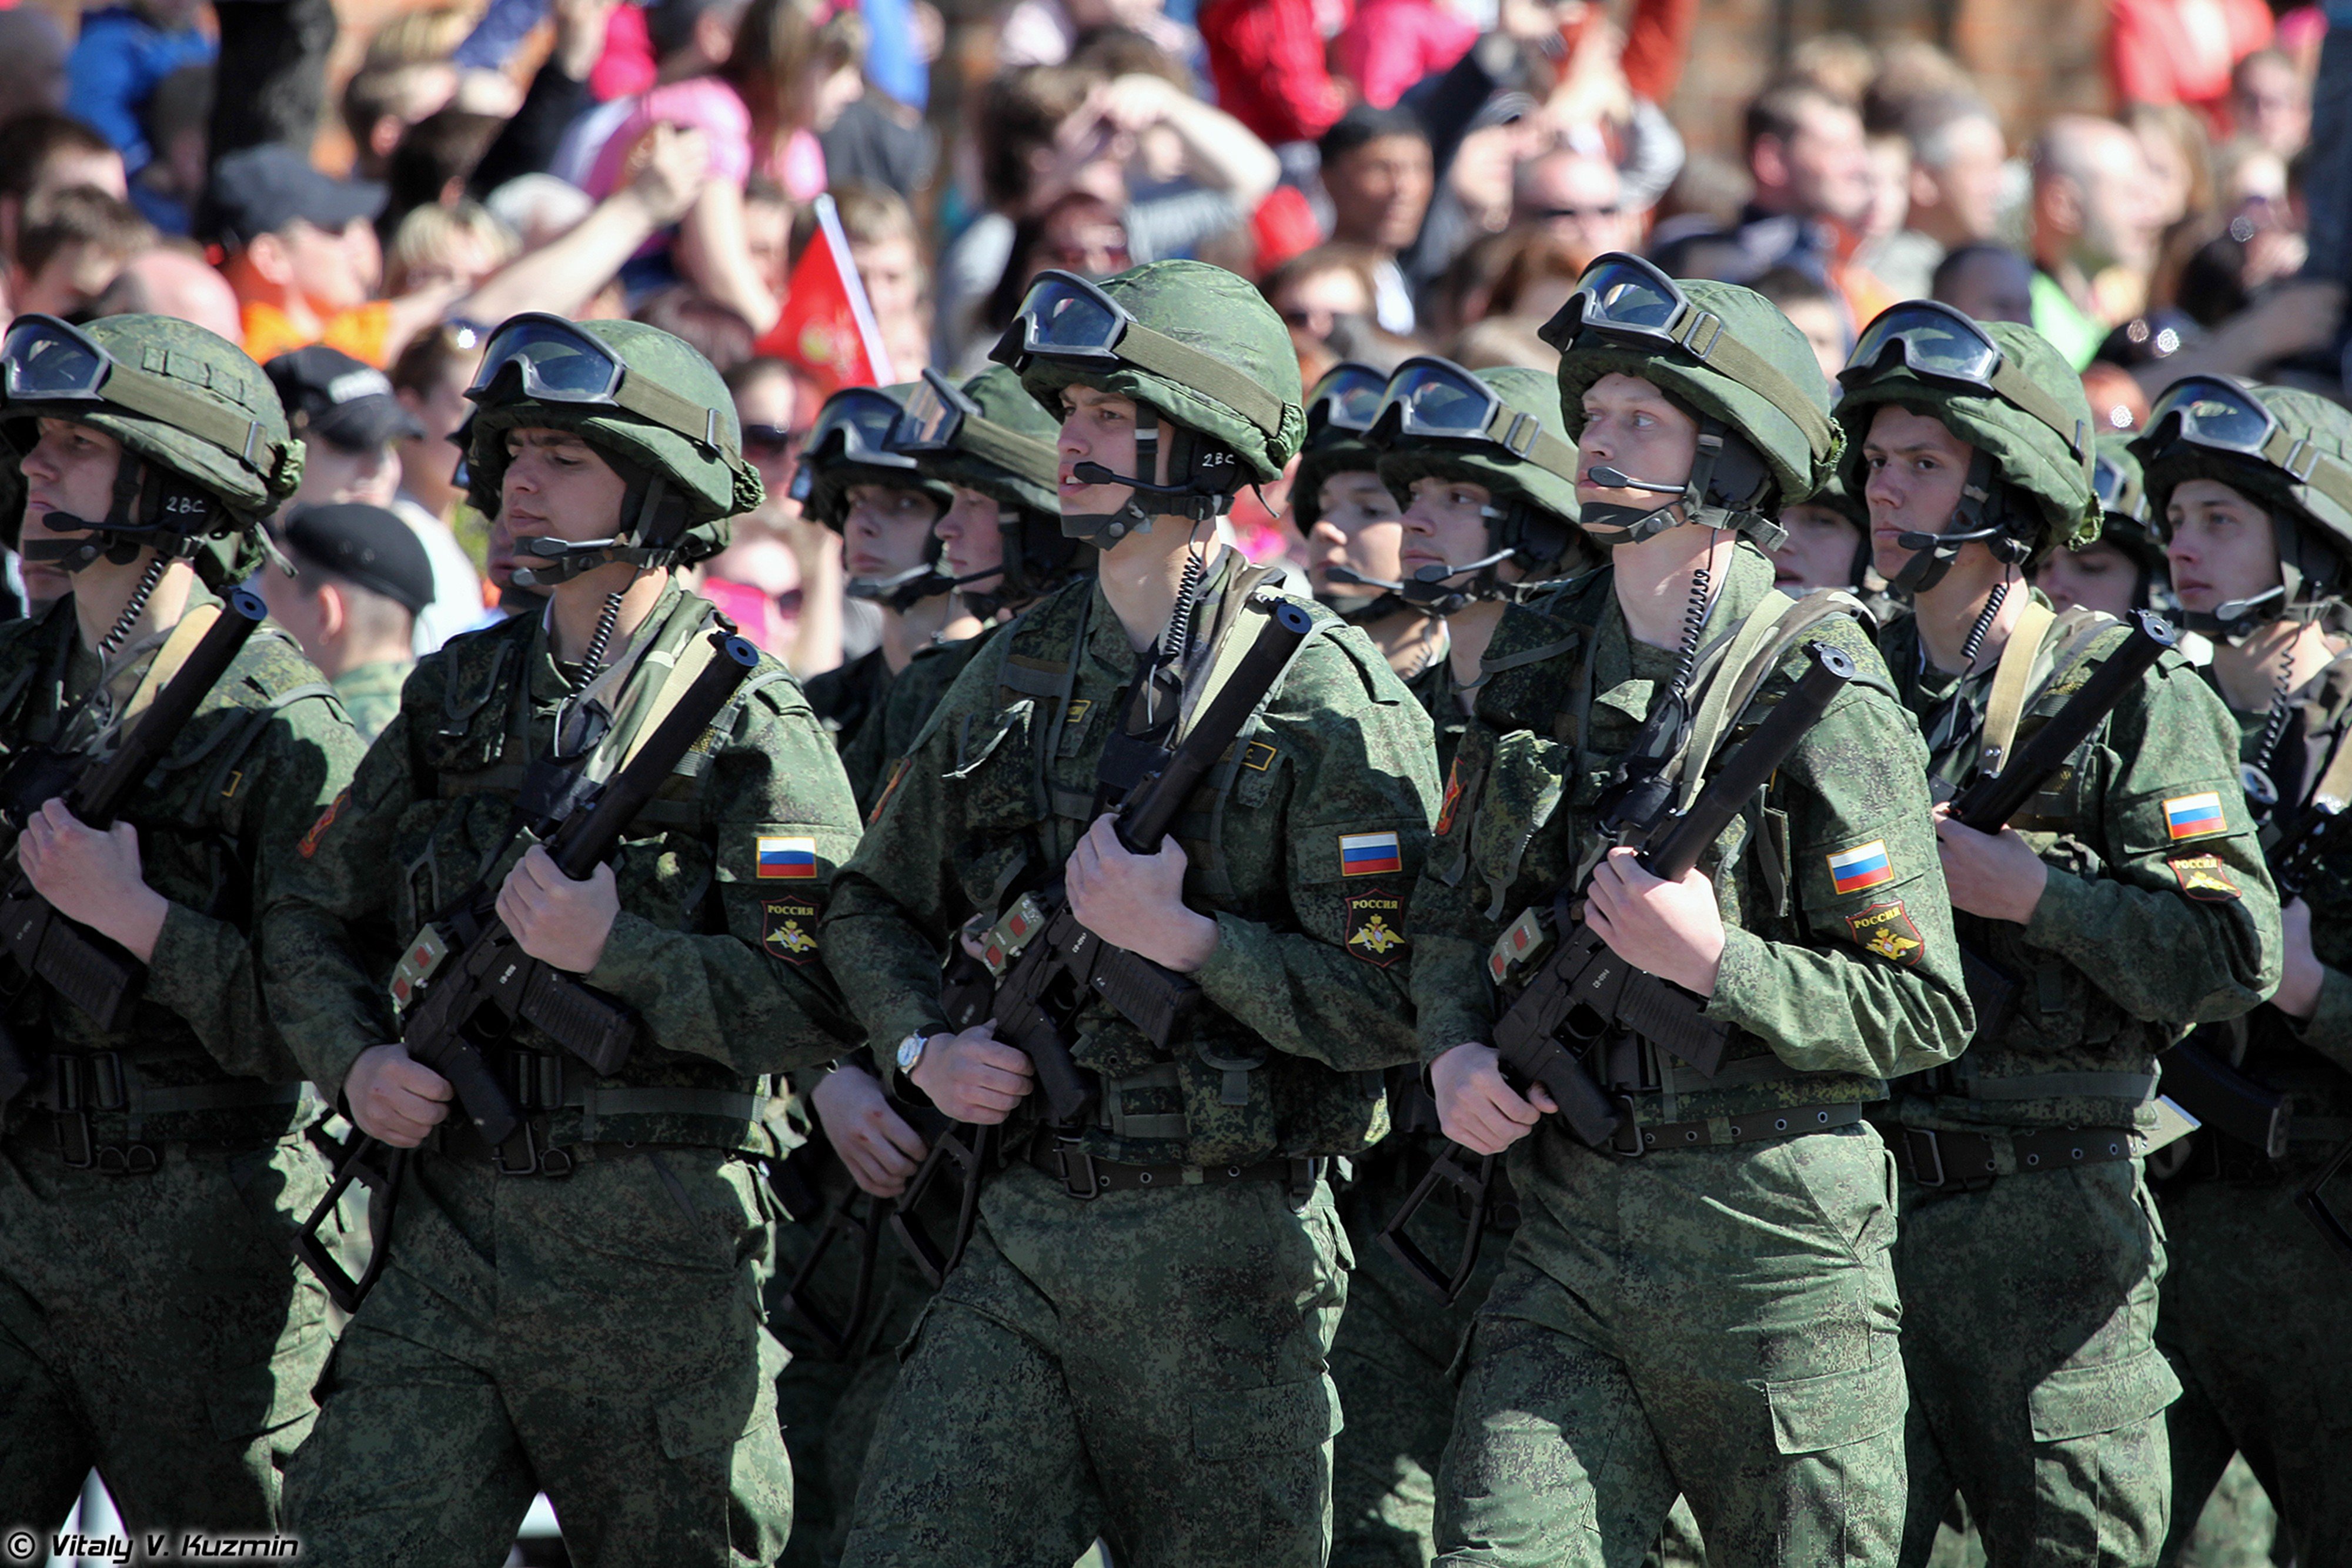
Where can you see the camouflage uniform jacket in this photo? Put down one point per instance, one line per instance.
(1846, 989)
(899, 716)
(2157, 911)
(716, 953)
(1432, 686)
(371, 695)
(1305, 992)
(219, 820)
(2312, 1063)
(843, 700)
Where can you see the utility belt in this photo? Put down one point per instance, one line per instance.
(104, 1116)
(542, 1089)
(1640, 1077)
(1972, 1161)
(1085, 1178)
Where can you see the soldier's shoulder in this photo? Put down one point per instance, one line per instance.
(1531, 658)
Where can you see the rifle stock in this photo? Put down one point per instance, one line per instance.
(1582, 992)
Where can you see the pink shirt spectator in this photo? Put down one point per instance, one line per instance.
(768, 621)
(711, 107)
(1393, 44)
(626, 66)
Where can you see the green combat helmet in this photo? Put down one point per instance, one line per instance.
(2289, 452)
(1339, 410)
(649, 403)
(2002, 389)
(2124, 522)
(206, 451)
(990, 435)
(1497, 428)
(1733, 361)
(849, 446)
(1193, 345)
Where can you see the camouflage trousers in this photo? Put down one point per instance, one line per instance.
(831, 1404)
(2029, 1320)
(1393, 1363)
(1717, 1321)
(2258, 1321)
(157, 1327)
(1147, 1366)
(597, 1337)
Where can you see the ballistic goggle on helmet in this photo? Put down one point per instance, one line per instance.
(1765, 434)
(2031, 445)
(1339, 410)
(653, 407)
(2215, 427)
(206, 448)
(952, 439)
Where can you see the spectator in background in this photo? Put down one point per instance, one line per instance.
(1538, 273)
(887, 251)
(429, 379)
(1954, 195)
(2183, 51)
(1576, 197)
(1816, 310)
(74, 244)
(435, 245)
(303, 255)
(1314, 291)
(1078, 232)
(768, 232)
(1390, 44)
(178, 121)
(359, 581)
(353, 425)
(2179, 159)
(44, 152)
(780, 577)
(2117, 399)
(433, 162)
(1269, 62)
(1376, 171)
(124, 52)
(1990, 282)
(716, 332)
(33, 50)
(408, 75)
(2270, 103)
(1044, 31)
(2094, 231)
(165, 281)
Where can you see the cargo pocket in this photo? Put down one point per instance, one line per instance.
(2083, 1401)
(1811, 1415)
(1259, 1423)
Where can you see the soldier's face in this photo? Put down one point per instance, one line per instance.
(1096, 427)
(1359, 527)
(1916, 469)
(1818, 552)
(1635, 428)
(1445, 521)
(557, 486)
(970, 537)
(887, 532)
(2096, 577)
(2219, 542)
(70, 472)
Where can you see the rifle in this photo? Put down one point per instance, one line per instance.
(1048, 965)
(479, 984)
(95, 973)
(1584, 993)
(1990, 800)
(2323, 831)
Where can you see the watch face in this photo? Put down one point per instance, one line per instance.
(911, 1051)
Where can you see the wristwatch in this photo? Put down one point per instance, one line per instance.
(911, 1051)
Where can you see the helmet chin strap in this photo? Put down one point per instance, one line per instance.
(1981, 517)
(1194, 497)
(1611, 524)
(178, 516)
(559, 561)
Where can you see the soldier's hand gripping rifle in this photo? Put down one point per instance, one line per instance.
(470, 984)
(1048, 965)
(1583, 993)
(95, 973)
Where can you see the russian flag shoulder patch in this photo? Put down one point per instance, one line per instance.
(786, 859)
(1370, 855)
(1863, 866)
(2194, 816)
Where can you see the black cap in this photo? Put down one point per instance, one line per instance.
(262, 189)
(330, 396)
(368, 545)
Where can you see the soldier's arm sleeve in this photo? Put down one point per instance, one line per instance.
(1329, 983)
(1874, 986)
(1451, 1000)
(897, 904)
(205, 970)
(2183, 926)
(752, 993)
(2328, 1031)
(328, 901)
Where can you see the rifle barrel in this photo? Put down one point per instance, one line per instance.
(1987, 804)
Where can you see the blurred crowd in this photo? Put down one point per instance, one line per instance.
(1399, 176)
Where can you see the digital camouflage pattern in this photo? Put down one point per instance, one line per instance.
(371, 695)
(846, 700)
(156, 1325)
(1154, 1359)
(2256, 1316)
(1718, 1320)
(2031, 1302)
(870, 748)
(1507, 476)
(601, 1335)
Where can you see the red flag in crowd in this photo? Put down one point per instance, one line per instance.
(827, 327)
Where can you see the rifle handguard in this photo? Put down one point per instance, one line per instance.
(1987, 804)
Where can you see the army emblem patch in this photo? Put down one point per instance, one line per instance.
(1886, 930)
(1453, 799)
(310, 844)
(1376, 928)
(2204, 878)
(789, 929)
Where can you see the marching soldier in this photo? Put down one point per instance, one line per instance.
(1705, 1303)
(577, 1309)
(2129, 892)
(152, 1321)
(2123, 569)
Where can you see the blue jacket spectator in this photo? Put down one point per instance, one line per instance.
(115, 67)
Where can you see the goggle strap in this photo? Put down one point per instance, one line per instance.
(1212, 378)
(1523, 437)
(1724, 353)
(696, 421)
(136, 391)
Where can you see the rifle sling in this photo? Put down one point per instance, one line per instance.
(1764, 642)
(168, 659)
(2013, 680)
